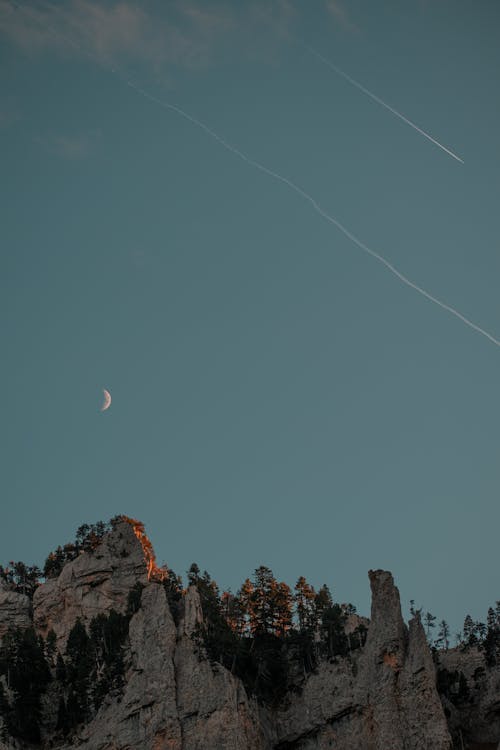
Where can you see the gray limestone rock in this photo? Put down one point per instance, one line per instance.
(381, 697)
(93, 583)
(15, 610)
(475, 720)
(145, 717)
(213, 707)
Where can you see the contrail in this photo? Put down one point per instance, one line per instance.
(292, 185)
(297, 189)
(377, 99)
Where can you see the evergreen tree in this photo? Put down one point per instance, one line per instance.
(172, 584)
(193, 574)
(323, 600)
(430, 622)
(107, 638)
(491, 646)
(491, 619)
(469, 631)
(263, 601)
(333, 635)
(234, 612)
(24, 665)
(480, 629)
(444, 634)
(54, 563)
(78, 669)
(21, 578)
(245, 597)
(304, 598)
(282, 596)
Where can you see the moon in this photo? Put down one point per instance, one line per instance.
(107, 400)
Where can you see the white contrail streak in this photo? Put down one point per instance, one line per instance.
(292, 185)
(377, 99)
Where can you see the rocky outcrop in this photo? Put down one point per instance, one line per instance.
(213, 707)
(471, 697)
(93, 583)
(383, 699)
(425, 719)
(382, 696)
(145, 717)
(15, 610)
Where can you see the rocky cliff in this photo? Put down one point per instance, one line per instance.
(172, 697)
(470, 691)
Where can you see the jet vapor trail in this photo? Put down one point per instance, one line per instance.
(377, 99)
(280, 178)
(297, 189)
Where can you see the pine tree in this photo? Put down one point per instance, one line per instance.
(172, 583)
(23, 662)
(193, 574)
(491, 619)
(233, 612)
(444, 634)
(245, 596)
(480, 629)
(469, 631)
(334, 637)
(282, 610)
(430, 622)
(322, 601)
(263, 601)
(78, 669)
(304, 597)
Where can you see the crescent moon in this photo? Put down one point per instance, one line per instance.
(107, 400)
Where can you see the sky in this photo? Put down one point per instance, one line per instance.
(279, 397)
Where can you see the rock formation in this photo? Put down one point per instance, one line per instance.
(381, 697)
(385, 699)
(94, 583)
(472, 697)
(15, 610)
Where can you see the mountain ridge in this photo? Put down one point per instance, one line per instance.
(131, 662)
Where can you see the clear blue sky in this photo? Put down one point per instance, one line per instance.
(278, 396)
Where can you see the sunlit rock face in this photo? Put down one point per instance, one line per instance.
(15, 610)
(94, 583)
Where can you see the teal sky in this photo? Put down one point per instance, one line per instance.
(279, 397)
